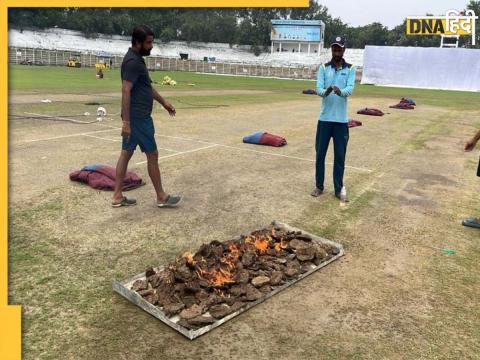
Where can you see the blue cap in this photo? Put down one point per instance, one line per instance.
(339, 40)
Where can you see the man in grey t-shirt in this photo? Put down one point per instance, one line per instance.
(137, 128)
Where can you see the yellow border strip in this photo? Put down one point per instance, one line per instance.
(10, 315)
(163, 3)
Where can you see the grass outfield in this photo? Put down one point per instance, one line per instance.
(394, 295)
(73, 80)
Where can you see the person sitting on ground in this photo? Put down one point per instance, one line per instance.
(99, 74)
(469, 146)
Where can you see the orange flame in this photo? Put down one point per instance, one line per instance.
(260, 241)
(261, 244)
(217, 276)
(222, 273)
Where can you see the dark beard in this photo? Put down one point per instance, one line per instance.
(145, 52)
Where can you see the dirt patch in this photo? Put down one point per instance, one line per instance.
(17, 98)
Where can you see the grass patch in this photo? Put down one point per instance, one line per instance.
(430, 130)
(456, 280)
(82, 80)
(338, 219)
(471, 164)
(54, 79)
(461, 100)
(29, 246)
(231, 100)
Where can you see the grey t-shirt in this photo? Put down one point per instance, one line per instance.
(141, 97)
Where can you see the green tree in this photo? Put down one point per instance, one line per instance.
(247, 26)
(167, 34)
(372, 34)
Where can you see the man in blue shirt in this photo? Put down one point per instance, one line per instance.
(335, 82)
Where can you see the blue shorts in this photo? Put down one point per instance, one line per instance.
(142, 134)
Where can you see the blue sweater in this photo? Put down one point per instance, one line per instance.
(334, 107)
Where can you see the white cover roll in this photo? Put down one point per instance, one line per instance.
(434, 68)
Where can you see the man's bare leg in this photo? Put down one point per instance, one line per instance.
(154, 173)
(122, 165)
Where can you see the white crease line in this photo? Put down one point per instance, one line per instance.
(167, 149)
(352, 167)
(206, 147)
(98, 122)
(71, 135)
(117, 140)
(101, 138)
(180, 153)
(369, 187)
(60, 118)
(106, 125)
(291, 157)
(262, 152)
(186, 139)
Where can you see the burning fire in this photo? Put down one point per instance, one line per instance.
(223, 272)
(260, 242)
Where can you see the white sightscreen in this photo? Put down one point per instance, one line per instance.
(436, 68)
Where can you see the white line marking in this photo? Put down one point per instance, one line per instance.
(180, 153)
(354, 168)
(171, 150)
(101, 138)
(369, 187)
(267, 153)
(63, 118)
(211, 144)
(98, 122)
(105, 125)
(117, 140)
(71, 135)
(262, 152)
(291, 157)
(186, 139)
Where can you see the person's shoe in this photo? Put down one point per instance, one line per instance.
(472, 222)
(316, 192)
(342, 195)
(171, 201)
(124, 202)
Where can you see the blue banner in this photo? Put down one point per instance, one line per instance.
(296, 30)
